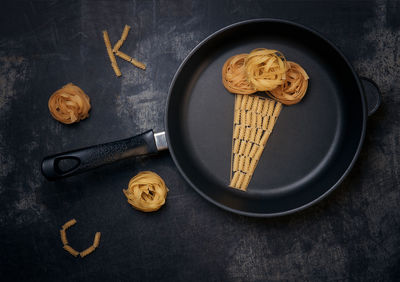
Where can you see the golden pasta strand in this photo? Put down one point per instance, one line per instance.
(63, 235)
(96, 240)
(131, 60)
(111, 54)
(87, 251)
(71, 250)
(122, 39)
(69, 223)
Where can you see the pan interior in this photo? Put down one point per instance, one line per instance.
(312, 145)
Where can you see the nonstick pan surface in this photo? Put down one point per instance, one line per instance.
(313, 145)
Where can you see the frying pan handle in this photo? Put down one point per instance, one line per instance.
(372, 93)
(77, 161)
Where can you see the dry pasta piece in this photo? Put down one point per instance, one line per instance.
(235, 179)
(253, 134)
(122, 39)
(241, 163)
(242, 147)
(69, 223)
(265, 69)
(253, 165)
(245, 182)
(234, 75)
(264, 138)
(265, 109)
(247, 133)
(253, 120)
(248, 118)
(242, 132)
(236, 146)
(131, 60)
(69, 104)
(246, 164)
(111, 54)
(271, 107)
(248, 148)
(258, 136)
(260, 105)
(146, 191)
(240, 180)
(259, 152)
(96, 240)
(253, 150)
(236, 162)
(265, 122)
(236, 132)
(254, 106)
(63, 235)
(259, 121)
(249, 103)
(277, 110)
(87, 251)
(238, 101)
(243, 103)
(71, 250)
(294, 88)
(236, 117)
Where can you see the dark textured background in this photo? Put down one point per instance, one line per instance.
(354, 234)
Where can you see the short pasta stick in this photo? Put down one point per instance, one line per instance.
(244, 102)
(131, 60)
(236, 132)
(265, 122)
(265, 107)
(63, 236)
(248, 118)
(260, 105)
(253, 150)
(241, 163)
(238, 101)
(277, 110)
(236, 117)
(236, 146)
(246, 164)
(253, 134)
(236, 162)
(245, 182)
(111, 54)
(242, 147)
(253, 120)
(255, 104)
(253, 165)
(240, 180)
(87, 251)
(248, 148)
(259, 152)
(69, 223)
(271, 123)
(242, 132)
(257, 139)
(122, 39)
(71, 250)
(96, 240)
(271, 107)
(235, 179)
(249, 103)
(259, 121)
(264, 138)
(243, 117)
(247, 133)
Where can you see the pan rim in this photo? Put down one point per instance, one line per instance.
(347, 170)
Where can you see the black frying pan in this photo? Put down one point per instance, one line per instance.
(313, 146)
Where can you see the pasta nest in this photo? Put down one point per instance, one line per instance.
(294, 88)
(146, 191)
(265, 69)
(234, 75)
(69, 104)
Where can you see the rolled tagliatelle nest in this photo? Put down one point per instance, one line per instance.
(255, 117)
(146, 191)
(69, 104)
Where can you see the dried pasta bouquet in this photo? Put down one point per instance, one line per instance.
(255, 117)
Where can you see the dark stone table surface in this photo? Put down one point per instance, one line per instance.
(354, 234)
